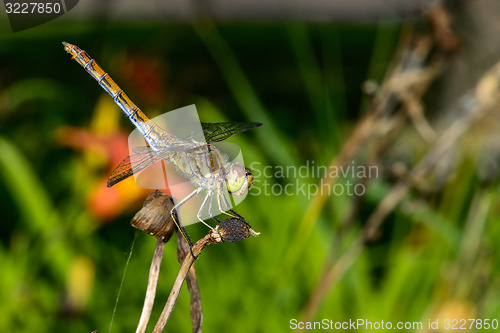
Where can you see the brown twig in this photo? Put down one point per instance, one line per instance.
(174, 293)
(230, 230)
(155, 219)
(192, 285)
(409, 78)
(480, 104)
(154, 273)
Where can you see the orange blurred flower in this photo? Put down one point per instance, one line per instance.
(104, 146)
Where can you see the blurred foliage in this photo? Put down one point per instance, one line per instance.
(63, 250)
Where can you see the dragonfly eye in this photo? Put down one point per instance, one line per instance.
(249, 175)
(238, 179)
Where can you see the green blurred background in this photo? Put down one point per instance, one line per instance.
(421, 243)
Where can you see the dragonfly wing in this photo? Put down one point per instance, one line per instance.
(142, 150)
(166, 149)
(133, 163)
(216, 132)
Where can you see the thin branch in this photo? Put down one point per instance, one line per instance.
(407, 81)
(155, 219)
(154, 273)
(230, 230)
(186, 265)
(192, 285)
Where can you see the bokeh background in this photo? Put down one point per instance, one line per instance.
(408, 87)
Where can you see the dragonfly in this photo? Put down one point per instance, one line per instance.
(199, 161)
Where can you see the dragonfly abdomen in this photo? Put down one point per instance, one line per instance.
(146, 126)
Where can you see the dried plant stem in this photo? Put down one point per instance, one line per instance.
(407, 85)
(445, 142)
(154, 273)
(195, 306)
(186, 265)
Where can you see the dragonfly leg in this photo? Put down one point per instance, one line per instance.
(180, 227)
(175, 217)
(219, 203)
(240, 218)
(227, 206)
(238, 215)
(208, 197)
(213, 217)
(210, 210)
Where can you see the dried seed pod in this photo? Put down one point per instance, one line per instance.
(154, 217)
(233, 230)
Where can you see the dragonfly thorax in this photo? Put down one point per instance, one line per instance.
(202, 165)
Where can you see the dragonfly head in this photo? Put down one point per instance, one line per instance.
(238, 180)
